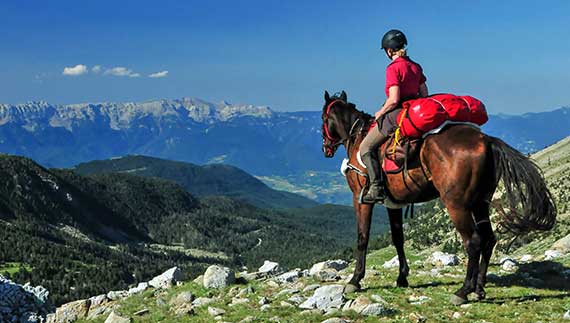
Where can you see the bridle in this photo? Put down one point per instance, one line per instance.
(334, 143)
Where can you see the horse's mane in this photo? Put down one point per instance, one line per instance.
(337, 96)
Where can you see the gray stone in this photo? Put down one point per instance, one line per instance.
(72, 311)
(336, 320)
(201, 301)
(168, 278)
(325, 298)
(141, 287)
(116, 318)
(269, 268)
(439, 258)
(337, 265)
(509, 265)
(562, 245)
(289, 277)
(117, 294)
(566, 315)
(376, 309)
(296, 299)
(218, 277)
(526, 258)
(418, 300)
(392, 263)
(214, 311)
(287, 291)
(182, 298)
(310, 288)
(265, 307)
(327, 275)
(552, 254)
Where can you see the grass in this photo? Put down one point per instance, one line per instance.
(510, 298)
(13, 267)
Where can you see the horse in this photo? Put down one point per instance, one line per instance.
(461, 166)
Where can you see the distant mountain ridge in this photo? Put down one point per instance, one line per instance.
(254, 138)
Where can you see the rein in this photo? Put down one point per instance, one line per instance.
(337, 142)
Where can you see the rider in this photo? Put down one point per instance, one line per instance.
(404, 80)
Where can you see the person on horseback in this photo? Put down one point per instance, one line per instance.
(405, 80)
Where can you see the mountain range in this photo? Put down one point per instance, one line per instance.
(256, 139)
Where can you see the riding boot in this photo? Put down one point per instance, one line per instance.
(376, 191)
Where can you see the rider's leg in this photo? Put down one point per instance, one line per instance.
(369, 154)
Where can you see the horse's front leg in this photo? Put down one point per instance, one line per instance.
(397, 230)
(363, 219)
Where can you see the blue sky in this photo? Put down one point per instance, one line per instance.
(514, 55)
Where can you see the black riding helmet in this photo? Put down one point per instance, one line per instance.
(394, 39)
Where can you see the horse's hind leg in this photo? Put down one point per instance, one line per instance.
(463, 221)
(363, 220)
(397, 230)
(488, 241)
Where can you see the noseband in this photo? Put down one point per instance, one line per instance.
(334, 143)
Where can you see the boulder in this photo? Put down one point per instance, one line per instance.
(72, 311)
(439, 258)
(141, 287)
(392, 263)
(269, 268)
(117, 294)
(376, 309)
(525, 258)
(551, 254)
(168, 278)
(181, 299)
(218, 277)
(325, 298)
(289, 277)
(358, 304)
(214, 311)
(337, 265)
(508, 264)
(327, 275)
(562, 245)
(201, 301)
(116, 318)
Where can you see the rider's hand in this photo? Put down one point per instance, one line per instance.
(378, 114)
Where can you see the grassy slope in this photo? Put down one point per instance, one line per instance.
(508, 299)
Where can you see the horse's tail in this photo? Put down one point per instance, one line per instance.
(525, 186)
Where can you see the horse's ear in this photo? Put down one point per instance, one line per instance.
(327, 96)
(343, 96)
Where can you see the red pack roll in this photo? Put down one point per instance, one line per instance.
(477, 111)
(456, 107)
(419, 116)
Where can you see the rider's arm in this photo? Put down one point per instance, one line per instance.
(423, 90)
(391, 102)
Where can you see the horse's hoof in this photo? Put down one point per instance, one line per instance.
(350, 288)
(456, 300)
(480, 295)
(402, 283)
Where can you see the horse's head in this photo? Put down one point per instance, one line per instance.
(334, 116)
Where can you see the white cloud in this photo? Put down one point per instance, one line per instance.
(159, 74)
(75, 70)
(96, 69)
(121, 71)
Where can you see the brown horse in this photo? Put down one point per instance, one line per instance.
(460, 165)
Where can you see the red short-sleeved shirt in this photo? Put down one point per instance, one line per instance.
(406, 74)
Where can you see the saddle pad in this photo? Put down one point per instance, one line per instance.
(388, 165)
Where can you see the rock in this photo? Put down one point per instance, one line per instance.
(310, 288)
(218, 277)
(439, 258)
(116, 318)
(245, 291)
(325, 298)
(378, 299)
(184, 310)
(289, 277)
(326, 275)
(249, 276)
(416, 318)
(265, 307)
(509, 265)
(287, 291)
(269, 268)
(160, 302)
(263, 301)
(117, 294)
(248, 319)
(376, 309)
(337, 265)
(562, 245)
(213, 311)
(335, 320)
(456, 315)
(238, 300)
(286, 304)
(23, 303)
(296, 299)
(566, 315)
(551, 254)
(525, 258)
(418, 300)
(358, 304)
(141, 287)
(199, 280)
(201, 301)
(141, 312)
(72, 311)
(168, 278)
(392, 263)
(97, 300)
(181, 299)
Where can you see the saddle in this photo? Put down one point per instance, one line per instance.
(396, 156)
